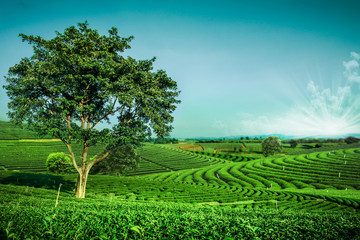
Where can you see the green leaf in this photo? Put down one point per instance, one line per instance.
(137, 229)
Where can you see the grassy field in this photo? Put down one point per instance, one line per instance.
(177, 194)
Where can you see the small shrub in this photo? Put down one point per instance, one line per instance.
(293, 143)
(58, 163)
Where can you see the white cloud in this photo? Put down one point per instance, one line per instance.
(325, 113)
(351, 65)
(223, 127)
(311, 87)
(322, 112)
(219, 124)
(355, 55)
(352, 68)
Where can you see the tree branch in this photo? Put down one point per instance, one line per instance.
(86, 91)
(87, 120)
(53, 114)
(108, 113)
(68, 120)
(47, 108)
(65, 162)
(88, 100)
(96, 160)
(73, 157)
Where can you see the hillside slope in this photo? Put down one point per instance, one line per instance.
(323, 170)
(9, 131)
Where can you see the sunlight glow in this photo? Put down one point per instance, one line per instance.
(329, 114)
(318, 112)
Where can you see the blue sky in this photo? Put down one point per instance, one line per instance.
(243, 67)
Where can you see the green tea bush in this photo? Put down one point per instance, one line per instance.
(34, 218)
(58, 163)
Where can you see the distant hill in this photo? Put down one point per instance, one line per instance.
(9, 131)
(281, 136)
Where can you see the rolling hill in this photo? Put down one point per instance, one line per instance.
(315, 195)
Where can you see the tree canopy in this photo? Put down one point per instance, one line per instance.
(77, 80)
(121, 160)
(271, 145)
(293, 143)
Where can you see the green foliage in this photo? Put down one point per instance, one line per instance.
(121, 160)
(293, 143)
(271, 145)
(165, 141)
(307, 149)
(58, 163)
(318, 145)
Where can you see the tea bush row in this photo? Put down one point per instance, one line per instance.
(23, 216)
(312, 171)
(31, 156)
(135, 188)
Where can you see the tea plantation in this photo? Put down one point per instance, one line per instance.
(176, 194)
(33, 215)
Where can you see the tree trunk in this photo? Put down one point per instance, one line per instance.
(81, 184)
(84, 172)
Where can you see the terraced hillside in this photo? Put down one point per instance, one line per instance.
(30, 155)
(268, 191)
(326, 170)
(9, 131)
(298, 182)
(138, 189)
(21, 150)
(312, 182)
(157, 159)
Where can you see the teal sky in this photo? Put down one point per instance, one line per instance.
(243, 67)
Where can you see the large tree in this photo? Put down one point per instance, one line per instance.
(271, 145)
(77, 80)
